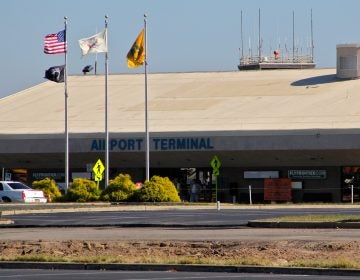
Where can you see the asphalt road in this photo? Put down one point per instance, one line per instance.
(169, 218)
(191, 224)
(37, 274)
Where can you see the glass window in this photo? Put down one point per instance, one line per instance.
(18, 186)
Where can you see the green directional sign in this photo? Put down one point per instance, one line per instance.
(215, 164)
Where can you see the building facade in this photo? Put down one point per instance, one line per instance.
(264, 126)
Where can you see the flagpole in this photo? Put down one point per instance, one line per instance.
(146, 107)
(95, 70)
(106, 111)
(66, 114)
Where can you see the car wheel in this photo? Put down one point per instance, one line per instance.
(6, 199)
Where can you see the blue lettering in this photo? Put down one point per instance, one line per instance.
(156, 142)
(113, 144)
(131, 144)
(164, 143)
(172, 143)
(122, 144)
(95, 145)
(180, 144)
(194, 144)
(202, 144)
(208, 144)
(139, 141)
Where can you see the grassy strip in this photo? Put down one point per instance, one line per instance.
(321, 263)
(316, 218)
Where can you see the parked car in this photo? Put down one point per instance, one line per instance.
(12, 191)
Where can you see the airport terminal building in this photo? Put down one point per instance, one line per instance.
(267, 127)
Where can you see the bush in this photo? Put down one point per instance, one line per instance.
(83, 190)
(158, 189)
(49, 187)
(121, 188)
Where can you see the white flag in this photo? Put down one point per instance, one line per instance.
(94, 44)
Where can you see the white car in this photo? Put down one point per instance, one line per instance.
(11, 191)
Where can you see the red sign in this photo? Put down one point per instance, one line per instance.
(277, 189)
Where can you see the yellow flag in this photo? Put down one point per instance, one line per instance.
(136, 55)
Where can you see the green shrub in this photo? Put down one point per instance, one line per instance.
(121, 188)
(83, 190)
(48, 186)
(158, 189)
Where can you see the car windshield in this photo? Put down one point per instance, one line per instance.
(18, 186)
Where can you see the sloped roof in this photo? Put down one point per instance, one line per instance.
(182, 102)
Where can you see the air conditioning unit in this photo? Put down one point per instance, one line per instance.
(348, 61)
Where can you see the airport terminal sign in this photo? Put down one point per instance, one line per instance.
(307, 174)
(156, 144)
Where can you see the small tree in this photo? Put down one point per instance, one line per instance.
(158, 189)
(121, 188)
(83, 190)
(49, 187)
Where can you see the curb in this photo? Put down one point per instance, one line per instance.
(135, 225)
(336, 225)
(13, 209)
(183, 268)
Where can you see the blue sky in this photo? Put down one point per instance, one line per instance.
(183, 35)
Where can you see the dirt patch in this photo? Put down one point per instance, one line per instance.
(280, 253)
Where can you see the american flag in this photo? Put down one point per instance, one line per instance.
(55, 43)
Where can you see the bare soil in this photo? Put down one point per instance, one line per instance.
(277, 253)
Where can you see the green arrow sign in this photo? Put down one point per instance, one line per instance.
(215, 164)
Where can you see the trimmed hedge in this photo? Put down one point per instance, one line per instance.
(121, 188)
(158, 189)
(49, 187)
(82, 190)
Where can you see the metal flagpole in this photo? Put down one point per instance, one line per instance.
(293, 42)
(106, 110)
(66, 114)
(146, 108)
(242, 41)
(259, 36)
(95, 70)
(312, 37)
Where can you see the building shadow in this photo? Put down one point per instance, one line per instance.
(318, 80)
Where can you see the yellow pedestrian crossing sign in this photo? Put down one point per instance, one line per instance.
(98, 170)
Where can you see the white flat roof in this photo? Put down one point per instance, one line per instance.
(188, 102)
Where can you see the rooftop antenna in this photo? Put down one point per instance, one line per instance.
(293, 22)
(241, 30)
(259, 38)
(250, 52)
(312, 36)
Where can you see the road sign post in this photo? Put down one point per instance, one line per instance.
(215, 164)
